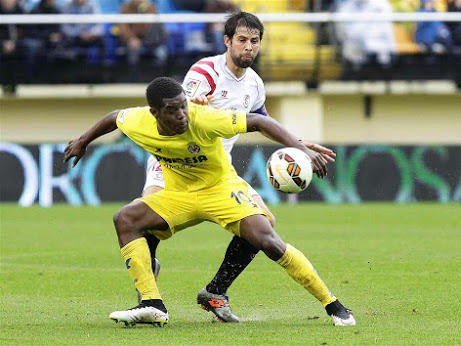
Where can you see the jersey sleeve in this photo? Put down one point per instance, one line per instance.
(211, 122)
(201, 79)
(128, 120)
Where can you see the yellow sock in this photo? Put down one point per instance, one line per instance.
(138, 262)
(302, 271)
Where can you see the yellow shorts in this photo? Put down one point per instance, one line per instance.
(225, 204)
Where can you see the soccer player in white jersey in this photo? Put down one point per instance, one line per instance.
(228, 82)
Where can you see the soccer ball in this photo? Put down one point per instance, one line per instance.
(289, 170)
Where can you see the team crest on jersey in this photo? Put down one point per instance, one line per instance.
(191, 87)
(193, 148)
(246, 101)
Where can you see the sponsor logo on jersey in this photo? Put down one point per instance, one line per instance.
(246, 101)
(189, 161)
(234, 118)
(193, 148)
(223, 93)
(191, 87)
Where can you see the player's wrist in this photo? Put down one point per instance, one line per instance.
(308, 145)
(301, 145)
(84, 140)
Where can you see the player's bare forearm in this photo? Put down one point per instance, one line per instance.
(273, 130)
(77, 147)
(106, 125)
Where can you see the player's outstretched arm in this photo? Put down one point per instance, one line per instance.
(273, 130)
(77, 147)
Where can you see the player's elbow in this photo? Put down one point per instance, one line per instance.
(255, 122)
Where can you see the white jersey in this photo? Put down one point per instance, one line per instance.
(211, 76)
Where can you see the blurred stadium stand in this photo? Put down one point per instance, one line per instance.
(409, 108)
(292, 50)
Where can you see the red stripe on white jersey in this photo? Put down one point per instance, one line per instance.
(209, 63)
(207, 76)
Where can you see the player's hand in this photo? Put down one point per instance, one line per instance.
(327, 153)
(319, 163)
(202, 99)
(75, 148)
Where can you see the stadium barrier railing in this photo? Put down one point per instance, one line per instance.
(310, 60)
(220, 17)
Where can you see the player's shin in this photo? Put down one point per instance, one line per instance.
(239, 254)
(139, 264)
(152, 242)
(302, 271)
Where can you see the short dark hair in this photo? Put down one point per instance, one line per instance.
(242, 19)
(160, 88)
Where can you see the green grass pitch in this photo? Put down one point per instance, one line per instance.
(398, 267)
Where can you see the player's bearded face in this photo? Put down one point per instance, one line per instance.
(244, 46)
(173, 117)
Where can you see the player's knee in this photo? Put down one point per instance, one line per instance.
(272, 246)
(123, 222)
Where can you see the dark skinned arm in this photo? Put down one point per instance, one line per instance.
(77, 147)
(273, 130)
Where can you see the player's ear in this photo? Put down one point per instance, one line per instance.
(154, 111)
(227, 41)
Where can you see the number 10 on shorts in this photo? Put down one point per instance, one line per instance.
(242, 197)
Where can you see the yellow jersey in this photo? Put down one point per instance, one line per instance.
(195, 159)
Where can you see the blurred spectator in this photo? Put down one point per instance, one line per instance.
(191, 5)
(414, 5)
(150, 38)
(12, 48)
(43, 39)
(455, 27)
(405, 5)
(321, 5)
(84, 36)
(324, 31)
(432, 36)
(363, 41)
(215, 31)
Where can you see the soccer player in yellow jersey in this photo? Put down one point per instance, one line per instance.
(200, 185)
